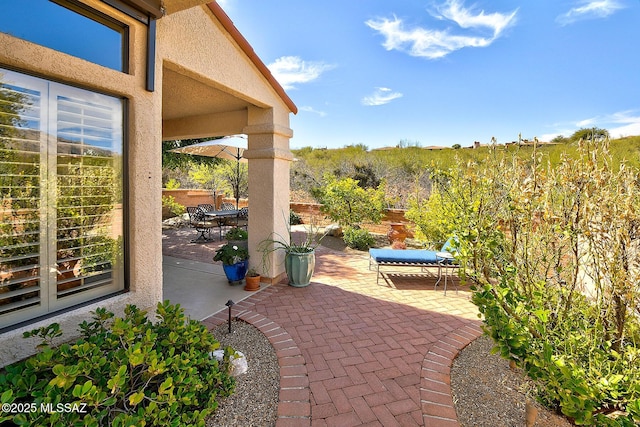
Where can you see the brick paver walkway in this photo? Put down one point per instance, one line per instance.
(355, 353)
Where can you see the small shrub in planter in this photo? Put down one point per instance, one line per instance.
(231, 254)
(358, 238)
(236, 234)
(121, 372)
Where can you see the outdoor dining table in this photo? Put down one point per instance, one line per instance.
(221, 216)
(213, 215)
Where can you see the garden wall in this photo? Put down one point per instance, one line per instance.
(309, 212)
(187, 197)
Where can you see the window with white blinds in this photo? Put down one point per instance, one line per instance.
(61, 231)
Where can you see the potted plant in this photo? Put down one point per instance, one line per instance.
(234, 262)
(300, 258)
(252, 280)
(238, 237)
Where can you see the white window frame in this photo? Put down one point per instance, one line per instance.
(52, 300)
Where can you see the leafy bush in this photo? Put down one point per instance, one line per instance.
(406, 170)
(212, 177)
(431, 226)
(554, 256)
(358, 238)
(294, 218)
(343, 200)
(122, 372)
(172, 184)
(174, 207)
(231, 254)
(236, 233)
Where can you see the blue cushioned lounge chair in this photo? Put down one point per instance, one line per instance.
(415, 258)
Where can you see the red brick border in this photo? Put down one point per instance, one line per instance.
(294, 405)
(436, 398)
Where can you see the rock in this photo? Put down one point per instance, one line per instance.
(176, 222)
(238, 363)
(333, 230)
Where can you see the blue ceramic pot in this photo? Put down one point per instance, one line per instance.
(235, 272)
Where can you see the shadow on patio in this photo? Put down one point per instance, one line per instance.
(352, 352)
(191, 278)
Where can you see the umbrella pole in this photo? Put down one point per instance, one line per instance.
(238, 180)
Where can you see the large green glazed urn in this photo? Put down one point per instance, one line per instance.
(299, 267)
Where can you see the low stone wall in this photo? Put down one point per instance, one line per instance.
(189, 197)
(310, 214)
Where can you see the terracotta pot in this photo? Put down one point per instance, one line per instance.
(252, 283)
(397, 232)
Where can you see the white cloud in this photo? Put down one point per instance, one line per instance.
(433, 44)
(628, 124)
(619, 124)
(381, 96)
(549, 136)
(587, 122)
(292, 70)
(590, 10)
(465, 18)
(313, 110)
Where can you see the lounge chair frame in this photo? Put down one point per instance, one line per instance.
(416, 258)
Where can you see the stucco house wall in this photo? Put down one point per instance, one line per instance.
(194, 51)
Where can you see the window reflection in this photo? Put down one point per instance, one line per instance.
(73, 30)
(61, 212)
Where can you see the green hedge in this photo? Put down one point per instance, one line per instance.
(124, 371)
(358, 238)
(552, 251)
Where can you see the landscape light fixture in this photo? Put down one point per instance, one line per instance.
(230, 304)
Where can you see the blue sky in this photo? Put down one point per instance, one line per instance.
(446, 72)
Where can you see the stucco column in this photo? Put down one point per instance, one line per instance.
(269, 159)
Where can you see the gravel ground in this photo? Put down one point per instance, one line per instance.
(487, 393)
(254, 402)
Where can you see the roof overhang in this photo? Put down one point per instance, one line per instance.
(244, 45)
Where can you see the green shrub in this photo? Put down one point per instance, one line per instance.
(358, 238)
(172, 184)
(552, 253)
(121, 372)
(174, 207)
(294, 218)
(343, 200)
(236, 233)
(427, 215)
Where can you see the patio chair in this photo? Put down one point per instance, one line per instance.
(243, 218)
(443, 259)
(219, 222)
(229, 207)
(198, 221)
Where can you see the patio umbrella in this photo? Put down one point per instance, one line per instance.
(229, 148)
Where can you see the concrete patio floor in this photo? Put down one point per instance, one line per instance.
(351, 352)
